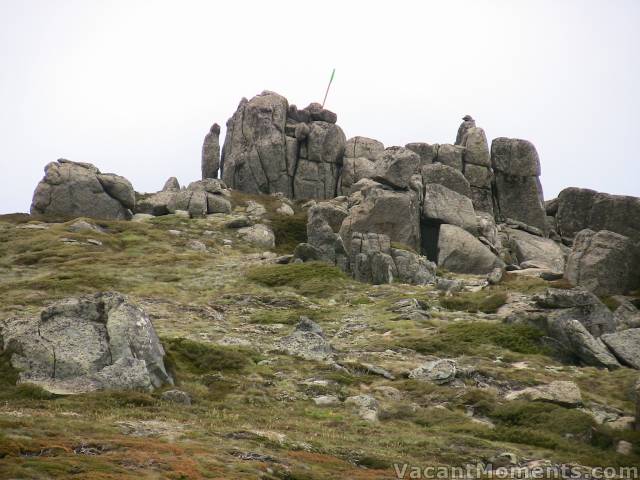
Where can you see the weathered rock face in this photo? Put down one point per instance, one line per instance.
(534, 250)
(271, 147)
(467, 123)
(389, 212)
(625, 346)
(323, 224)
(396, 167)
(477, 168)
(459, 251)
(85, 344)
(581, 208)
(73, 189)
(171, 185)
(560, 392)
(441, 205)
(363, 147)
(425, 151)
(604, 262)
(211, 153)
(516, 188)
(374, 260)
(354, 170)
(446, 176)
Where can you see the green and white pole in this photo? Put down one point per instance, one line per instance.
(328, 87)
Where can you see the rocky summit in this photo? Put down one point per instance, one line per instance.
(319, 307)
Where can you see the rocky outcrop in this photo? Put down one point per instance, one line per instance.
(446, 176)
(199, 198)
(516, 188)
(74, 189)
(581, 208)
(380, 210)
(477, 168)
(396, 167)
(459, 251)
(604, 262)
(271, 146)
(374, 260)
(84, 344)
(467, 123)
(211, 153)
(360, 156)
(442, 205)
(533, 251)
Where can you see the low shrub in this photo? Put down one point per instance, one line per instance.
(289, 231)
(473, 302)
(201, 358)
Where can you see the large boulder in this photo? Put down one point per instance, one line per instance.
(442, 205)
(450, 155)
(354, 170)
(517, 190)
(211, 153)
(625, 346)
(446, 176)
(396, 167)
(467, 123)
(390, 212)
(254, 151)
(604, 262)
(363, 147)
(74, 189)
(323, 224)
(534, 250)
(476, 147)
(460, 252)
(581, 208)
(425, 151)
(85, 344)
(574, 338)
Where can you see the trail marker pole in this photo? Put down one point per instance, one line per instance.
(328, 86)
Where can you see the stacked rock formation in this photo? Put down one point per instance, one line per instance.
(271, 146)
(211, 153)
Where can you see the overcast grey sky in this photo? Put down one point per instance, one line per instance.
(133, 86)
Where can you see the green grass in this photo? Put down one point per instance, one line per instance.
(202, 358)
(311, 278)
(289, 231)
(482, 301)
(470, 338)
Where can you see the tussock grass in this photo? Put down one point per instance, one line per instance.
(473, 338)
(311, 278)
(485, 301)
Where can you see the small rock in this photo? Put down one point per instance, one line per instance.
(326, 401)
(624, 447)
(240, 222)
(259, 235)
(367, 406)
(176, 396)
(182, 214)
(449, 286)
(196, 245)
(285, 209)
(283, 260)
(83, 226)
(174, 232)
(390, 393)
(495, 276)
(438, 371)
(93, 241)
(141, 217)
(227, 242)
(560, 392)
(255, 210)
(622, 423)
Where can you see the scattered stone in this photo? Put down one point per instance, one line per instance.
(255, 210)
(196, 245)
(367, 406)
(560, 392)
(176, 396)
(624, 447)
(259, 235)
(438, 371)
(141, 217)
(326, 401)
(175, 233)
(307, 341)
(80, 226)
(495, 276)
(410, 309)
(285, 209)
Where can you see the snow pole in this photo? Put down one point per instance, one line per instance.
(328, 87)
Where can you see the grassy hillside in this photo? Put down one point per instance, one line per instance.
(220, 314)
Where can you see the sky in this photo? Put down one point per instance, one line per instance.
(133, 86)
